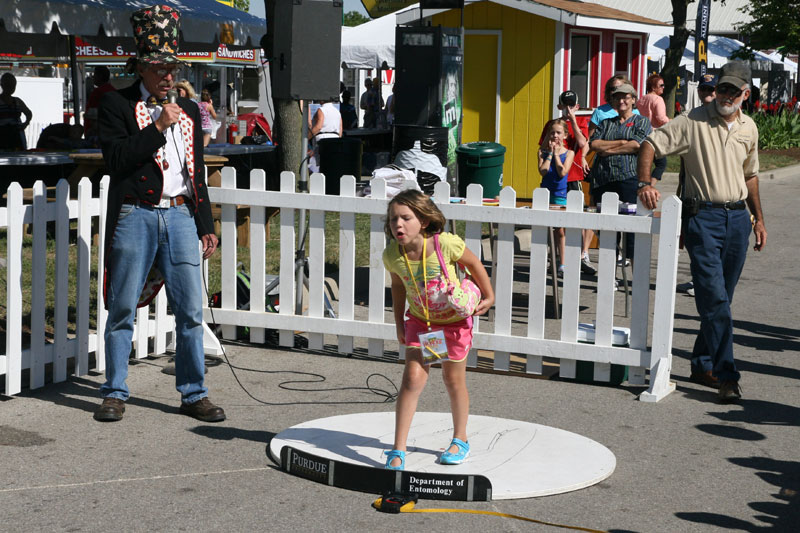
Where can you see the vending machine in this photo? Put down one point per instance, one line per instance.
(429, 68)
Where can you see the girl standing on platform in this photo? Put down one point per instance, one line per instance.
(554, 164)
(411, 258)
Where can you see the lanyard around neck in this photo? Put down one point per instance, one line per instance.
(424, 278)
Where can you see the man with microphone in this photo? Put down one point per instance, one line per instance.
(158, 214)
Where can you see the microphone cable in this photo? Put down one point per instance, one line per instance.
(388, 396)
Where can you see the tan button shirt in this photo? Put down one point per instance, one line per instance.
(716, 159)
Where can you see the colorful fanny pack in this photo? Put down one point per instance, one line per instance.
(463, 297)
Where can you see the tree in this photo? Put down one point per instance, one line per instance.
(288, 122)
(674, 53)
(354, 18)
(242, 5)
(774, 24)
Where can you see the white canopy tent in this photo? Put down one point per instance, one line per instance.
(369, 45)
(719, 50)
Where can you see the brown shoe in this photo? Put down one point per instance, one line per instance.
(729, 391)
(203, 410)
(110, 410)
(704, 378)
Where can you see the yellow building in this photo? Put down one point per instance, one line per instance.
(519, 55)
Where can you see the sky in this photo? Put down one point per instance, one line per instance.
(257, 7)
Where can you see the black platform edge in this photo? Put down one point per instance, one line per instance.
(428, 485)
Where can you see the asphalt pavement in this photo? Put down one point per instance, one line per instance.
(684, 464)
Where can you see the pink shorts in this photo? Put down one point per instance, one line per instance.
(458, 335)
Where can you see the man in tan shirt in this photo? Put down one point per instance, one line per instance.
(719, 146)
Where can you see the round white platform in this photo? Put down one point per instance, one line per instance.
(520, 459)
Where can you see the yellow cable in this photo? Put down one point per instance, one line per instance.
(408, 507)
(505, 515)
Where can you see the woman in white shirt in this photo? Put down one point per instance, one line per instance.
(327, 124)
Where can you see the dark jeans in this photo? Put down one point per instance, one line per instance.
(626, 190)
(717, 241)
(661, 166)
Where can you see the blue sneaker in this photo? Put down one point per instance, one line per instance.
(395, 454)
(457, 458)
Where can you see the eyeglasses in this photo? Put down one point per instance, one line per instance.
(660, 85)
(162, 72)
(622, 96)
(729, 90)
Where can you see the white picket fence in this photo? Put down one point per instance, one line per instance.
(533, 344)
(88, 211)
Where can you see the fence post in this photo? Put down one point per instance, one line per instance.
(664, 305)
(347, 261)
(102, 314)
(474, 234)
(640, 306)
(38, 285)
(258, 218)
(504, 277)
(537, 280)
(287, 250)
(61, 282)
(15, 211)
(316, 261)
(229, 251)
(377, 272)
(83, 270)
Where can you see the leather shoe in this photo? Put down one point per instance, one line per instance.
(729, 391)
(203, 410)
(110, 410)
(704, 378)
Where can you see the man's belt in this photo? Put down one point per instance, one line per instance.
(166, 201)
(733, 206)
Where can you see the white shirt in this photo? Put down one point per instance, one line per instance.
(331, 120)
(175, 176)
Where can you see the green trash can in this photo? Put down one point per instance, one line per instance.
(481, 163)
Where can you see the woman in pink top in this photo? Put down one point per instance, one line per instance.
(652, 106)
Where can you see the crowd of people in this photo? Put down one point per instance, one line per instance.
(624, 150)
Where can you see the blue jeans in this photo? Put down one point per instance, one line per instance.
(717, 241)
(167, 237)
(627, 191)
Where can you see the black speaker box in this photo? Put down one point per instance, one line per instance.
(307, 49)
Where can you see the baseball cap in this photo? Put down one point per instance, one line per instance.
(625, 88)
(736, 73)
(568, 98)
(708, 80)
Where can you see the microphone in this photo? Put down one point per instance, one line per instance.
(172, 98)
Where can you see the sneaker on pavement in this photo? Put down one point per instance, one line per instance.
(587, 267)
(561, 269)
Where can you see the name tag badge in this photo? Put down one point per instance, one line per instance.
(433, 346)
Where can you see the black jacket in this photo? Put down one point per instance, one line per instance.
(128, 155)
